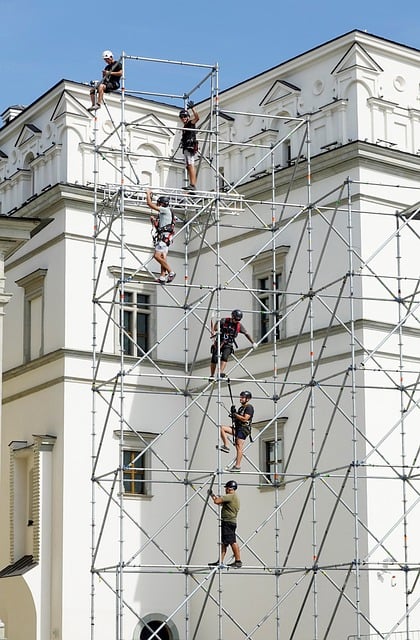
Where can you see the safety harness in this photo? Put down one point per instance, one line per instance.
(189, 138)
(245, 426)
(228, 333)
(163, 234)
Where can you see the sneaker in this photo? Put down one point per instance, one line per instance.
(236, 565)
(235, 469)
(223, 448)
(160, 280)
(211, 379)
(223, 375)
(192, 187)
(171, 276)
(94, 107)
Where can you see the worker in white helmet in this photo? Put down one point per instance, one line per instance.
(111, 76)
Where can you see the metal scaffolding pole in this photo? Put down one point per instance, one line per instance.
(304, 592)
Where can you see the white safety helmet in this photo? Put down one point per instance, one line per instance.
(107, 54)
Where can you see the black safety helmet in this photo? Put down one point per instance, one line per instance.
(231, 484)
(237, 314)
(246, 394)
(184, 113)
(163, 201)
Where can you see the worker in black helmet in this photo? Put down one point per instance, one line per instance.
(230, 507)
(189, 142)
(240, 429)
(229, 328)
(163, 231)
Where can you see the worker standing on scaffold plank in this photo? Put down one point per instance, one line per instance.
(189, 143)
(240, 429)
(230, 507)
(111, 76)
(163, 231)
(229, 329)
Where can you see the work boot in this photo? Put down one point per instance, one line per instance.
(237, 564)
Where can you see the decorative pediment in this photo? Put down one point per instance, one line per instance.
(151, 124)
(68, 105)
(28, 132)
(356, 56)
(279, 90)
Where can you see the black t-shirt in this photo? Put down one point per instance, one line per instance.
(189, 137)
(248, 411)
(113, 66)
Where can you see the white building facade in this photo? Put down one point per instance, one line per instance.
(306, 220)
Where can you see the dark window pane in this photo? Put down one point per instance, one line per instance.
(142, 332)
(128, 332)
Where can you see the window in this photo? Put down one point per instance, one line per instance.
(30, 470)
(271, 451)
(136, 456)
(287, 153)
(33, 314)
(136, 323)
(135, 317)
(154, 625)
(269, 297)
(134, 472)
(270, 308)
(150, 623)
(273, 458)
(29, 184)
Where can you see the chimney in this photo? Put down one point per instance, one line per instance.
(12, 112)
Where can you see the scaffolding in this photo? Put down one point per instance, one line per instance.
(311, 542)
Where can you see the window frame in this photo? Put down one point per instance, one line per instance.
(160, 618)
(137, 443)
(138, 285)
(34, 287)
(132, 308)
(266, 435)
(27, 494)
(263, 267)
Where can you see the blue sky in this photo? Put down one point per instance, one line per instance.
(44, 41)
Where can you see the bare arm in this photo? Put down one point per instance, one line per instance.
(149, 201)
(195, 117)
(244, 418)
(213, 329)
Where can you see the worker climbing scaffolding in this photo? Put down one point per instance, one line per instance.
(162, 234)
(224, 343)
(240, 429)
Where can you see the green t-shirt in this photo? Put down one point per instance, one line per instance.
(230, 507)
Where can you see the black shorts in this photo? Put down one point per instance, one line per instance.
(228, 532)
(110, 86)
(241, 433)
(224, 353)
